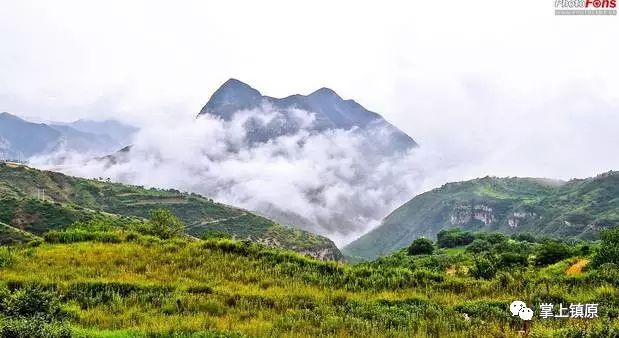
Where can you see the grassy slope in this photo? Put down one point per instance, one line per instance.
(578, 208)
(10, 235)
(129, 288)
(79, 199)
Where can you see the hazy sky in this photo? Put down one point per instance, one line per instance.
(507, 85)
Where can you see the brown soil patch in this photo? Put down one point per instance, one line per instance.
(576, 268)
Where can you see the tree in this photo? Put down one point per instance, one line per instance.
(164, 224)
(496, 238)
(609, 248)
(454, 237)
(216, 235)
(551, 252)
(478, 246)
(512, 260)
(421, 246)
(484, 267)
(524, 237)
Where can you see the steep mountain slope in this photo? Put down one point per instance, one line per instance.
(68, 199)
(578, 208)
(329, 109)
(20, 139)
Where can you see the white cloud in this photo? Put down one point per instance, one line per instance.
(337, 182)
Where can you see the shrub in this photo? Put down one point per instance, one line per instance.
(163, 224)
(524, 237)
(34, 327)
(609, 248)
(453, 238)
(495, 238)
(421, 246)
(483, 267)
(32, 301)
(478, 246)
(215, 235)
(552, 252)
(81, 235)
(512, 260)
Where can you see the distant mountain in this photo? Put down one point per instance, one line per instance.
(329, 109)
(115, 130)
(575, 209)
(76, 140)
(20, 139)
(68, 199)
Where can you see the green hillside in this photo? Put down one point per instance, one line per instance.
(142, 286)
(69, 199)
(11, 236)
(542, 207)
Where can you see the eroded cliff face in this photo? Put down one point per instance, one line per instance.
(464, 214)
(519, 217)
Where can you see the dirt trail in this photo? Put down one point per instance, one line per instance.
(215, 221)
(576, 268)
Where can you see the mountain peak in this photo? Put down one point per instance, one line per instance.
(232, 96)
(331, 112)
(234, 84)
(10, 116)
(325, 92)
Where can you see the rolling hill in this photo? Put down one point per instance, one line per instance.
(578, 208)
(69, 199)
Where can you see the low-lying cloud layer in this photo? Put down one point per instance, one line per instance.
(338, 183)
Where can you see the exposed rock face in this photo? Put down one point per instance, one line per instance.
(464, 214)
(518, 217)
(327, 252)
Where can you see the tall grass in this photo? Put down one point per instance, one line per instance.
(211, 288)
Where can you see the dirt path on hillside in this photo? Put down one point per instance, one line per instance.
(215, 221)
(576, 268)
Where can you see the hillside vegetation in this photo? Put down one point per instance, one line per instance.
(576, 209)
(70, 199)
(127, 284)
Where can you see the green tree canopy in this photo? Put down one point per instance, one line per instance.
(421, 246)
(163, 224)
(609, 248)
(551, 252)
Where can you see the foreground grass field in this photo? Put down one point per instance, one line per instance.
(144, 286)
